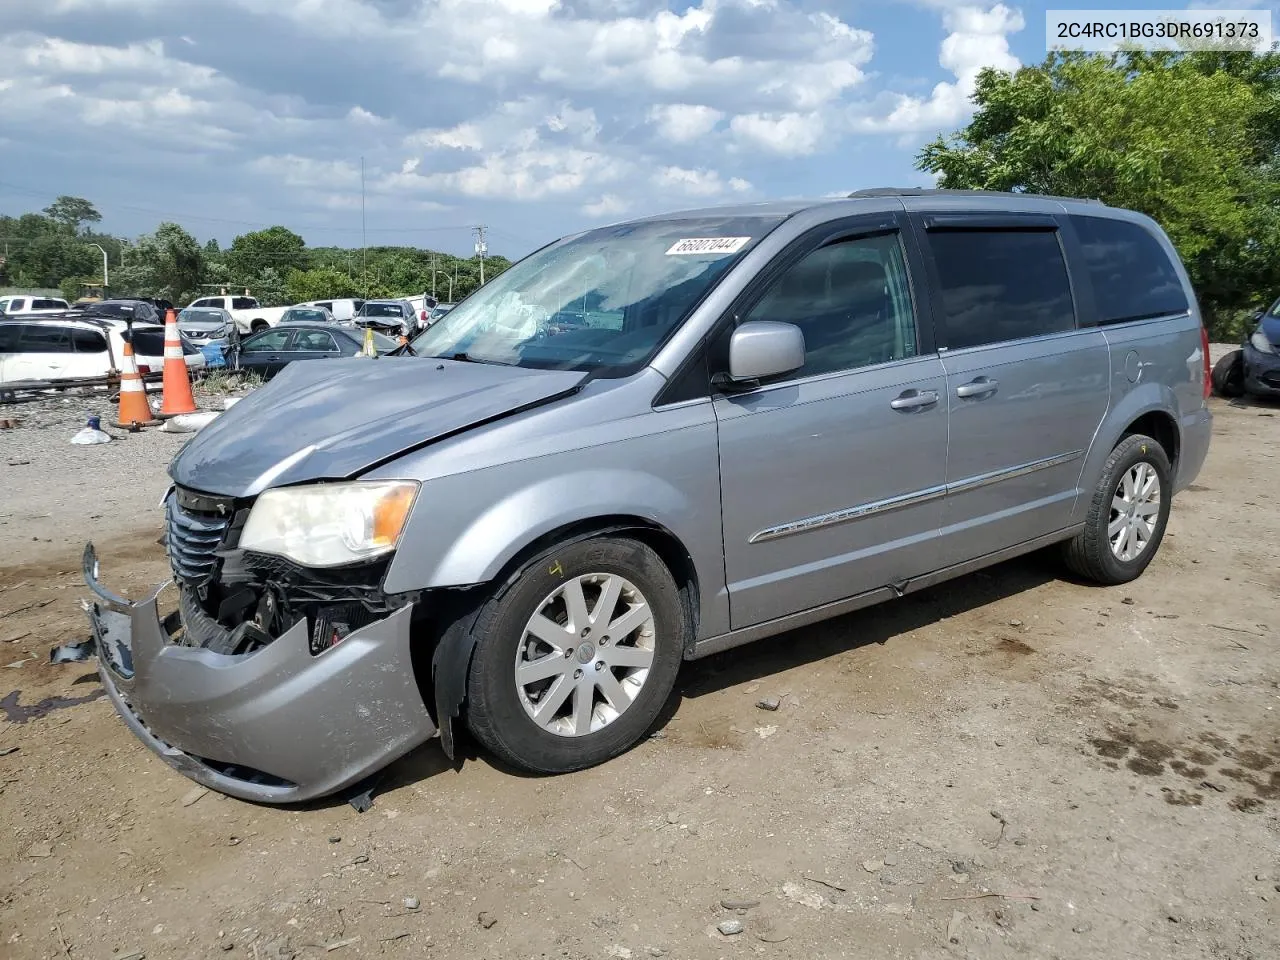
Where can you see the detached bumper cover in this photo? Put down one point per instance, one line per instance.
(278, 725)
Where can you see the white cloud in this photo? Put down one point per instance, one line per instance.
(698, 183)
(684, 122)
(607, 206)
(787, 134)
(978, 37)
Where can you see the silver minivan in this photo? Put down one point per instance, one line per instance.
(643, 444)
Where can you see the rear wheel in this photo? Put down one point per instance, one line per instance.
(576, 656)
(1127, 516)
(258, 326)
(1228, 375)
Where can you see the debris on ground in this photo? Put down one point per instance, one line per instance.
(730, 928)
(192, 795)
(768, 703)
(486, 919)
(91, 434)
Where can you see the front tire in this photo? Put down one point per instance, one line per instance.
(576, 656)
(1127, 515)
(1227, 378)
(258, 326)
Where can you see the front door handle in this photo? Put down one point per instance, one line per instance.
(982, 387)
(914, 399)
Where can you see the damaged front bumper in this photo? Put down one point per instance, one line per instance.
(278, 725)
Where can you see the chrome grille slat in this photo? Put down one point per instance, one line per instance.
(191, 541)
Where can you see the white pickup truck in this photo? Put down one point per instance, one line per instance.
(249, 315)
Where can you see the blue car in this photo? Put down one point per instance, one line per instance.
(1254, 369)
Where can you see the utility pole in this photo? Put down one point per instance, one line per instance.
(433, 276)
(104, 269)
(364, 271)
(481, 249)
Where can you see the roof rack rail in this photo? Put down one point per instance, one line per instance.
(938, 192)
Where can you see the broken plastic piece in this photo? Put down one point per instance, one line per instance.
(74, 652)
(362, 801)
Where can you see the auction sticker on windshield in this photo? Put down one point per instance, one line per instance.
(721, 245)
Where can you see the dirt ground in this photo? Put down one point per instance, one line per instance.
(1010, 765)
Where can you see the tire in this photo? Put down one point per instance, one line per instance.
(499, 710)
(1227, 378)
(258, 326)
(1091, 553)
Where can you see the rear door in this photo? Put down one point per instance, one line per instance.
(832, 477)
(312, 345)
(90, 357)
(1026, 386)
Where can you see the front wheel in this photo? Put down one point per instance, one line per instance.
(576, 656)
(1127, 515)
(258, 326)
(1227, 378)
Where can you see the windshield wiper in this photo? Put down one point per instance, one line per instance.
(465, 357)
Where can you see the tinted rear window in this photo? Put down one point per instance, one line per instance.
(44, 338)
(148, 343)
(1131, 274)
(1001, 285)
(89, 341)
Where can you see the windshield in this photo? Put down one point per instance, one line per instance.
(603, 299)
(310, 315)
(381, 310)
(201, 316)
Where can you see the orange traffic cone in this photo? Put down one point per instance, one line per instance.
(178, 397)
(134, 409)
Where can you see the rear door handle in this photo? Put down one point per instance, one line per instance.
(981, 387)
(914, 399)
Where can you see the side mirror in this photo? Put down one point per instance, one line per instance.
(1258, 315)
(762, 349)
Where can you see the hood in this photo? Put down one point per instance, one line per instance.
(387, 323)
(202, 325)
(336, 418)
(1271, 327)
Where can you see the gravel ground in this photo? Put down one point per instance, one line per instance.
(57, 494)
(1010, 765)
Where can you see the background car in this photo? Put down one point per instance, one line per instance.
(303, 314)
(269, 352)
(1254, 369)
(391, 317)
(69, 347)
(26, 306)
(344, 308)
(137, 310)
(205, 326)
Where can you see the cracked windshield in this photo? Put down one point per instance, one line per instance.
(603, 299)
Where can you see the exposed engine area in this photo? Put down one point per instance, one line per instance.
(234, 601)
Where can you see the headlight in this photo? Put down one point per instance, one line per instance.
(326, 525)
(1260, 342)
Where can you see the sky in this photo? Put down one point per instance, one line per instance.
(536, 118)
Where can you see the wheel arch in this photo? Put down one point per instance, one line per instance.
(442, 678)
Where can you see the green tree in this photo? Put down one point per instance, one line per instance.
(1189, 139)
(276, 248)
(318, 283)
(72, 212)
(168, 263)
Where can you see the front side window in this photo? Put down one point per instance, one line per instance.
(1000, 285)
(1132, 276)
(601, 301)
(267, 342)
(852, 301)
(18, 303)
(243, 303)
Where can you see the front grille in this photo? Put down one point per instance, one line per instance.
(192, 537)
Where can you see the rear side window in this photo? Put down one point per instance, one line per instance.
(1000, 285)
(44, 338)
(88, 341)
(48, 305)
(242, 303)
(1130, 271)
